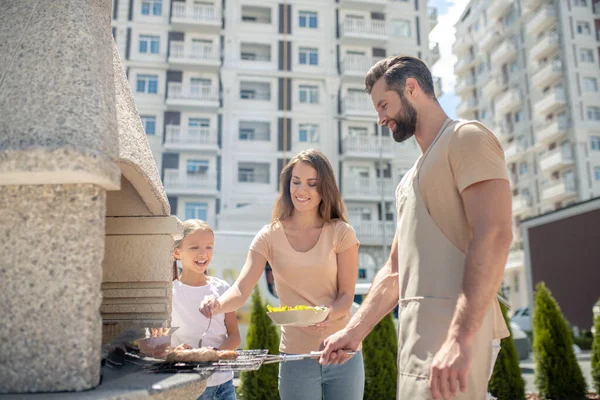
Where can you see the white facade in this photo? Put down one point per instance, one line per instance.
(530, 70)
(230, 94)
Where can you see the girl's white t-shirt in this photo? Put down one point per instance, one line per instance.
(192, 324)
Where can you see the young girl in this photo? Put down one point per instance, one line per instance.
(314, 256)
(195, 251)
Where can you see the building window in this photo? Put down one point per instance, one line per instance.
(519, 116)
(196, 167)
(583, 28)
(590, 85)
(586, 55)
(362, 273)
(147, 84)
(255, 14)
(309, 94)
(253, 172)
(593, 113)
(196, 211)
(149, 123)
(357, 131)
(254, 130)
(309, 56)
(597, 174)
(199, 123)
(307, 19)
(152, 7)
(400, 27)
(308, 133)
(580, 3)
(149, 44)
(514, 67)
(595, 143)
(523, 169)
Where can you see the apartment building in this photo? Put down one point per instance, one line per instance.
(229, 91)
(529, 69)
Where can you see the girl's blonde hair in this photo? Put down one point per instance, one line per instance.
(189, 226)
(332, 206)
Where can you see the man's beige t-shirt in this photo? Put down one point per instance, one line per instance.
(306, 278)
(467, 152)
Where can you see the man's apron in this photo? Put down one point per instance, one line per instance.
(430, 280)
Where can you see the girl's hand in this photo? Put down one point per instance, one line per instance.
(209, 306)
(321, 326)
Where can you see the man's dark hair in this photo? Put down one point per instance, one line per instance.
(396, 70)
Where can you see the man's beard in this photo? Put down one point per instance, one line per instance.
(406, 122)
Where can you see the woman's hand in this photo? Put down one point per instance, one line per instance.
(321, 326)
(209, 306)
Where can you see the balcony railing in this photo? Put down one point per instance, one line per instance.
(505, 52)
(358, 103)
(560, 189)
(544, 17)
(550, 102)
(368, 187)
(510, 99)
(433, 17)
(368, 145)
(196, 13)
(521, 204)
(190, 136)
(545, 46)
(179, 91)
(516, 259)
(362, 27)
(358, 65)
(547, 73)
(551, 131)
(193, 52)
(372, 232)
(556, 159)
(179, 181)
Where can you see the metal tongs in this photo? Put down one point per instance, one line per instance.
(276, 358)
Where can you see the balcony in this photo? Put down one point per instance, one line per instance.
(184, 97)
(514, 152)
(467, 106)
(552, 131)
(504, 53)
(544, 47)
(357, 66)
(562, 189)
(463, 64)
(503, 132)
(372, 232)
(547, 74)
(495, 85)
(201, 55)
(461, 46)
(179, 183)
(190, 138)
(552, 101)
(544, 18)
(368, 189)
(370, 147)
(516, 260)
(507, 101)
(435, 53)
(433, 17)
(490, 39)
(532, 4)
(206, 18)
(556, 159)
(498, 8)
(521, 205)
(363, 31)
(358, 105)
(464, 85)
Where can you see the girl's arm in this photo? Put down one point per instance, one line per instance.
(233, 333)
(236, 295)
(347, 262)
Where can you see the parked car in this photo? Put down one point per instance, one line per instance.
(522, 317)
(522, 342)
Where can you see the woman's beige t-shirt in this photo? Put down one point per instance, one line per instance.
(306, 278)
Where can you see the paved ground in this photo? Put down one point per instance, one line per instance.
(527, 367)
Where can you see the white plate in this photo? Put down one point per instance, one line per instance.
(298, 317)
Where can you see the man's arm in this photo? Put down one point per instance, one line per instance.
(381, 299)
(488, 206)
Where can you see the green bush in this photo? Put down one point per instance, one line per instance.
(596, 356)
(262, 334)
(380, 350)
(584, 340)
(557, 373)
(506, 382)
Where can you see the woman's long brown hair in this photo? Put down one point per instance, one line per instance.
(331, 207)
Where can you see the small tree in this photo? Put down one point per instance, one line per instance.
(380, 350)
(507, 382)
(557, 373)
(262, 334)
(596, 354)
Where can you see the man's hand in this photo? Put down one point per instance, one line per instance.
(335, 348)
(449, 369)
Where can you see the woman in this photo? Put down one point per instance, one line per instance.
(314, 256)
